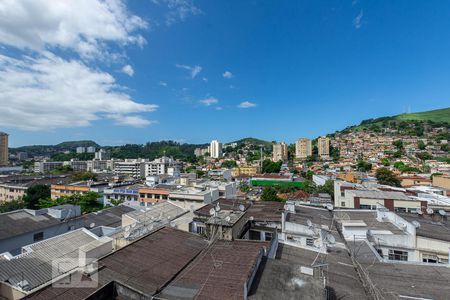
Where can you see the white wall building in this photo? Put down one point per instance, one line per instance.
(215, 149)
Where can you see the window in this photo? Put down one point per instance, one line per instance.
(380, 252)
(71, 227)
(200, 229)
(398, 255)
(365, 206)
(430, 258)
(343, 203)
(310, 242)
(268, 236)
(38, 236)
(400, 209)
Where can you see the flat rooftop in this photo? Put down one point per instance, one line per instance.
(431, 226)
(20, 222)
(110, 217)
(265, 211)
(225, 204)
(368, 217)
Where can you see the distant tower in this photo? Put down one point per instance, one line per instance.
(3, 149)
(215, 149)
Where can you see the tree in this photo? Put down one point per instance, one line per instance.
(385, 162)
(328, 188)
(229, 164)
(271, 167)
(34, 194)
(269, 194)
(11, 205)
(88, 202)
(243, 187)
(78, 176)
(364, 166)
(421, 145)
(385, 176)
(398, 144)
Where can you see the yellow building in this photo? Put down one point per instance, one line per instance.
(323, 147)
(280, 152)
(244, 171)
(58, 190)
(303, 148)
(3, 149)
(442, 181)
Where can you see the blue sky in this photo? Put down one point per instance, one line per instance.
(196, 71)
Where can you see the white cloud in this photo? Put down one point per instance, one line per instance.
(192, 70)
(162, 83)
(232, 86)
(246, 104)
(205, 79)
(219, 108)
(357, 21)
(128, 70)
(82, 26)
(178, 10)
(131, 120)
(227, 75)
(209, 101)
(50, 92)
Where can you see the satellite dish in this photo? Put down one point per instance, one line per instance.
(212, 211)
(369, 233)
(419, 211)
(430, 211)
(127, 229)
(324, 205)
(92, 225)
(217, 207)
(329, 206)
(331, 239)
(251, 218)
(442, 212)
(228, 219)
(126, 234)
(416, 224)
(133, 225)
(241, 207)
(310, 224)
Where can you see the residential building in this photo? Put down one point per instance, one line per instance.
(4, 152)
(162, 166)
(215, 149)
(220, 174)
(303, 148)
(280, 152)
(130, 167)
(90, 149)
(47, 166)
(82, 187)
(323, 147)
(102, 155)
(22, 155)
(442, 181)
(245, 171)
(127, 195)
(80, 150)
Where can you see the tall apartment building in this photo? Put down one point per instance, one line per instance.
(81, 150)
(215, 149)
(323, 146)
(3, 149)
(303, 148)
(280, 152)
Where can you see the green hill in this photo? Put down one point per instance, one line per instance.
(437, 115)
(253, 141)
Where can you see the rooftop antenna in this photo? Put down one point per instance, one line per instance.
(241, 207)
(217, 207)
(416, 224)
(430, 211)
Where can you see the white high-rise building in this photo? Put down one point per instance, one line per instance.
(215, 149)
